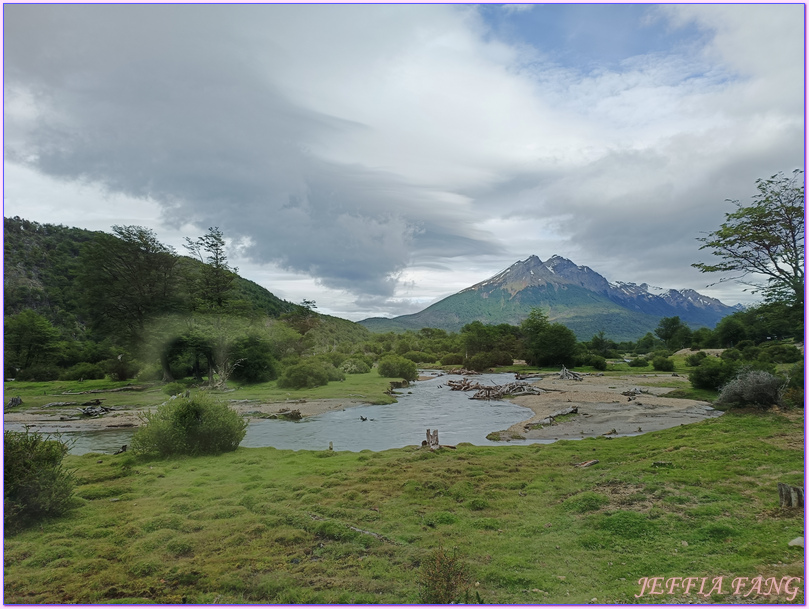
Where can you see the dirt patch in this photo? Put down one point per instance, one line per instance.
(603, 409)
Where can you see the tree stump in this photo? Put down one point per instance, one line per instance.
(790, 496)
(432, 439)
(15, 401)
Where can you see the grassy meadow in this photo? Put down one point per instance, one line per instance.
(261, 525)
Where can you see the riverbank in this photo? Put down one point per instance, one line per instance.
(605, 405)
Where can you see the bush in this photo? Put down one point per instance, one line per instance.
(443, 578)
(306, 374)
(663, 364)
(39, 373)
(84, 370)
(35, 485)
(420, 357)
(731, 355)
(480, 362)
(712, 373)
(502, 358)
(199, 425)
(638, 362)
(452, 359)
(597, 362)
(695, 359)
(355, 365)
(753, 388)
(332, 373)
(257, 364)
(395, 366)
(783, 354)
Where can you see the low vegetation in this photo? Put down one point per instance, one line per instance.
(35, 483)
(197, 425)
(278, 526)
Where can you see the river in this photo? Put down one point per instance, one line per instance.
(426, 404)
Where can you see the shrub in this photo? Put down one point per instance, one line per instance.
(420, 357)
(695, 359)
(303, 375)
(783, 354)
(39, 373)
(199, 425)
(731, 354)
(638, 362)
(502, 358)
(452, 359)
(355, 365)
(443, 578)
(256, 365)
(597, 362)
(480, 362)
(395, 366)
(663, 364)
(35, 485)
(332, 373)
(83, 370)
(753, 388)
(793, 396)
(712, 373)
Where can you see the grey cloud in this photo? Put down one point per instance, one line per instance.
(164, 103)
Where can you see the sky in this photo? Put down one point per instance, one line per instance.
(378, 158)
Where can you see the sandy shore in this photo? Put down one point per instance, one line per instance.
(603, 410)
(56, 419)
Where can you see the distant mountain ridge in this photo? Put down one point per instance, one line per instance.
(574, 295)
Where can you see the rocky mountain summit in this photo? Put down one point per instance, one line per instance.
(572, 294)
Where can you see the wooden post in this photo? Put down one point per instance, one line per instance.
(790, 496)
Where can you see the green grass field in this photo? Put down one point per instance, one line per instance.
(261, 525)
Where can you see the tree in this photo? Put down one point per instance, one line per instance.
(547, 344)
(29, 339)
(674, 333)
(128, 278)
(764, 238)
(215, 282)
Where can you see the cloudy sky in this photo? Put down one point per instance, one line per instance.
(378, 158)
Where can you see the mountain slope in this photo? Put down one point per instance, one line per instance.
(42, 263)
(573, 295)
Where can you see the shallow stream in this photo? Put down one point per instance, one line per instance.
(425, 404)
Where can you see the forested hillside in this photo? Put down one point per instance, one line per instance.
(83, 304)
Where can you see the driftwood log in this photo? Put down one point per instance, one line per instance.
(524, 377)
(569, 375)
(463, 372)
(94, 411)
(493, 392)
(790, 496)
(497, 392)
